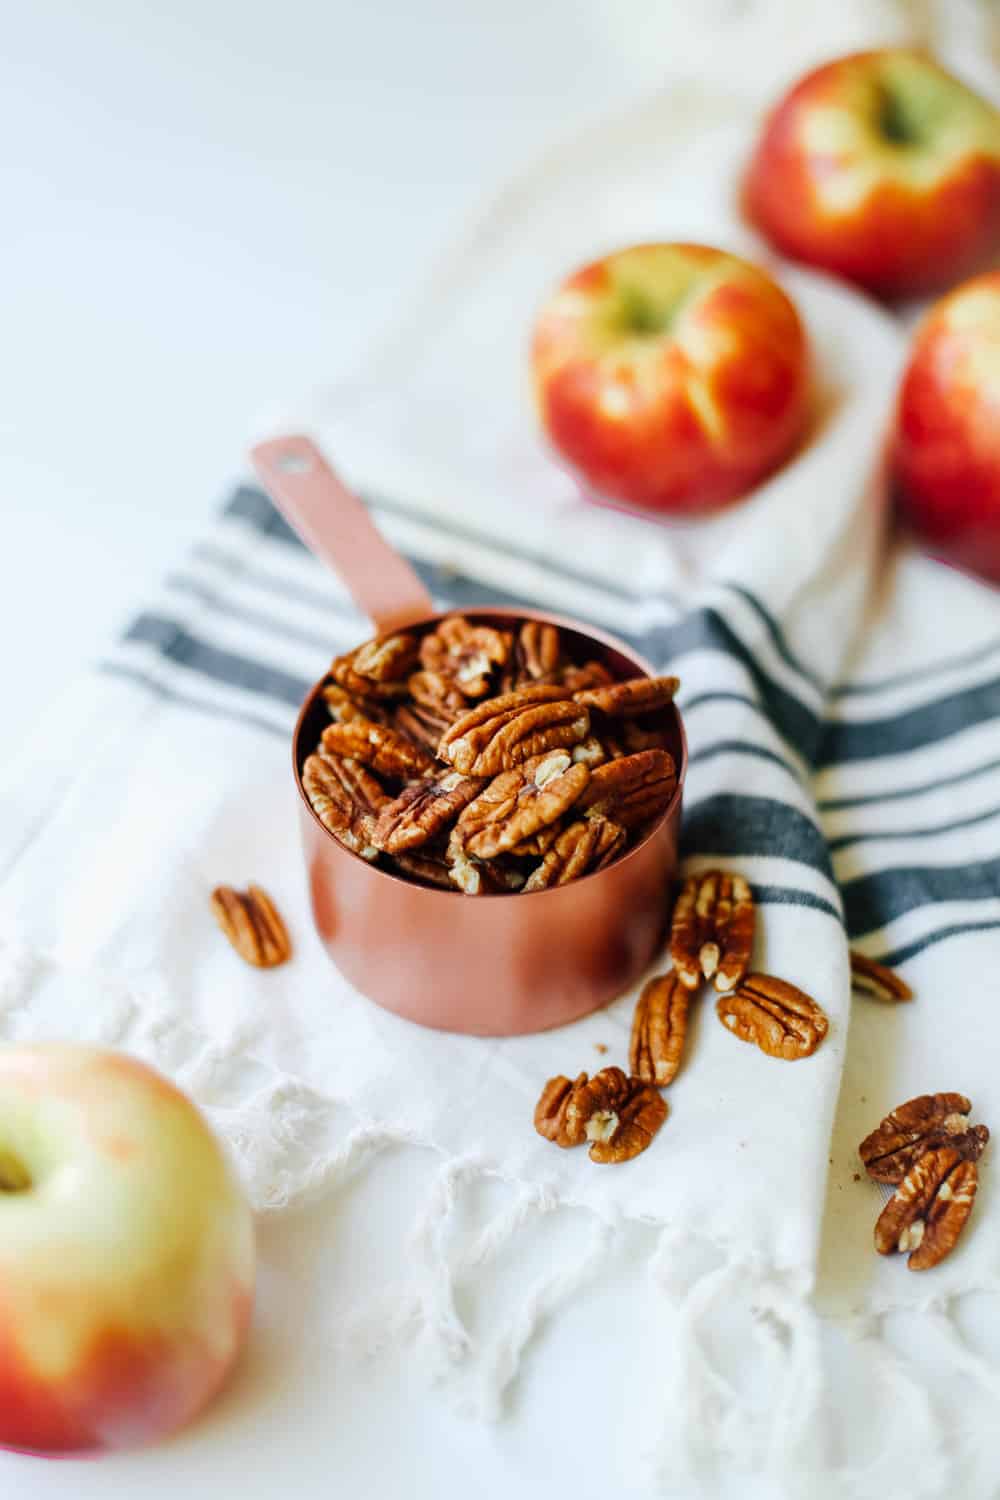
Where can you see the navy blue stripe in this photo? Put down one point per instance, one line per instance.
(170, 695)
(323, 599)
(700, 630)
(911, 730)
(897, 956)
(778, 637)
(733, 825)
(743, 747)
(871, 901)
(174, 642)
(912, 833)
(783, 895)
(180, 583)
(251, 504)
(836, 804)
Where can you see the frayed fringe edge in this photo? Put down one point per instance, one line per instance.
(278, 1130)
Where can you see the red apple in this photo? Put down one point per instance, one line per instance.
(882, 168)
(672, 377)
(947, 448)
(126, 1253)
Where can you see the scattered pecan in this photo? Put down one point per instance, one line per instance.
(516, 804)
(504, 731)
(538, 649)
(465, 653)
(346, 798)
(586, 845)
(875, 979)
(617, 1114)
(422, 811)
(638, 695)
(346, 710)
(390, 659)
(658, 1029)
(928, 1211)
(920, 1125)
(782, 1020)
(712, 932)
(632, 790)
(252, 924)
(377, 745)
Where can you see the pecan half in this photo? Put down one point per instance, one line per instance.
(928, 1211)
(345, 710)
(390, 659)
(344, 672)
(252, 924)
(346, 798)
(422, 811)
(637, 695)
(590, 752)
(465, 653)
(782, 1020)
(519, 802)
(659, 1027)
(379, 746)
(592, 674)
(586, 845)
(538, 649)
(617, 1114)
(919, 1125)
(633, 789)
(479, 877)
(429, 867)
(424, 726)
(551, 1112)
(504, 731)
(435, 691)
(875, 979)
(712, 931)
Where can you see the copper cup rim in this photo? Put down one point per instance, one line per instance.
(603, 638)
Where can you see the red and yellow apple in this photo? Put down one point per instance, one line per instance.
(126, 1253)
(882, 168)
(947, 443)
(671, 377)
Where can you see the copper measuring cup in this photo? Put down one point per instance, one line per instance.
(493, 965)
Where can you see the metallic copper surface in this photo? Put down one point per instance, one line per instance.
(493, 965)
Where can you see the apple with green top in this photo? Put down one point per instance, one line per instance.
(672, 377)
(946, 451)
(882, 168)
(126, 1253)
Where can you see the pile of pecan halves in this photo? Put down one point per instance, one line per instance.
(486, 760)
(927, 1150)
(711, 939)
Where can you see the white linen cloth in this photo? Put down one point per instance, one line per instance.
(841, 711)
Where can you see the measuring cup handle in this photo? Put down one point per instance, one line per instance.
(337, 528)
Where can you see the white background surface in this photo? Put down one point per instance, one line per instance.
(208, 208)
